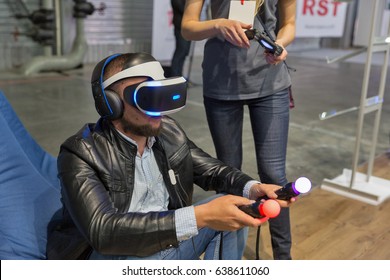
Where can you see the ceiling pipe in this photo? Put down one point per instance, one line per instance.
(68, 61)
(64, 62)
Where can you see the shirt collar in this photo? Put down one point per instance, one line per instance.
(149, 142)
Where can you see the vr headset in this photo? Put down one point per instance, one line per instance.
(156, 96)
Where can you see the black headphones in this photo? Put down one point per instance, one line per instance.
(107, 103)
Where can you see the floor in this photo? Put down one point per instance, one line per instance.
(55, 105)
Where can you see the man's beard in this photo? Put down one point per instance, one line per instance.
(141, 130)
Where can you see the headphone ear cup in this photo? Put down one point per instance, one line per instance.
(115, 103)
(107, 104)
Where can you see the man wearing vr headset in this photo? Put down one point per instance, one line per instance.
(127, 181)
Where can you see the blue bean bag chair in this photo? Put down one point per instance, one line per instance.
(29, 190)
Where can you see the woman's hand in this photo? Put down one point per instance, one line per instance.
(233, 31)
(275, 60)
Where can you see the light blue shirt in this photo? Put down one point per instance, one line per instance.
(151, 194)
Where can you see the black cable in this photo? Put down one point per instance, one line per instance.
(194, 247)
(258, 243)
(221, 246)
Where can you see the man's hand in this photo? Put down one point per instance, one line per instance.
(223, 214)
(259, 190)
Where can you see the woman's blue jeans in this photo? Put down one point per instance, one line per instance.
(269, 118)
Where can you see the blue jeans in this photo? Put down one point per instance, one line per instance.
(269, 118)
(207, 241)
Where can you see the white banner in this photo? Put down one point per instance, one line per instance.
(163, 39)
(320, 18)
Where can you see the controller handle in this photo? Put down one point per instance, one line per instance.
(265, 41)
(293, 189)
(269, 208)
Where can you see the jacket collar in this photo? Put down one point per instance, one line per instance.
(116, 139)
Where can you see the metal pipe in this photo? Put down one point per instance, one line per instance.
(363, 97)
(381, 94)
(48, 5)
(65, 62)
(58, 21)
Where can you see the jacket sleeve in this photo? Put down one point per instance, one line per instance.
(212, 174)
(108, 230)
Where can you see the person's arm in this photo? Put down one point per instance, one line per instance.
(286, 33)
(223, 213)
(193, 29)
(185, 222)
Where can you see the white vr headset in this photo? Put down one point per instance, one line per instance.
(158, 95)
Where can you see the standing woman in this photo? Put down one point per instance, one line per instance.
(238, 72)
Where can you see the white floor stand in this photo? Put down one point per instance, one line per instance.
(350, 183)
(373, 192)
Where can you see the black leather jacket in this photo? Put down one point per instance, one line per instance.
(96, 169)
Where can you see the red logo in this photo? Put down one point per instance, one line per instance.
(320, 7)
